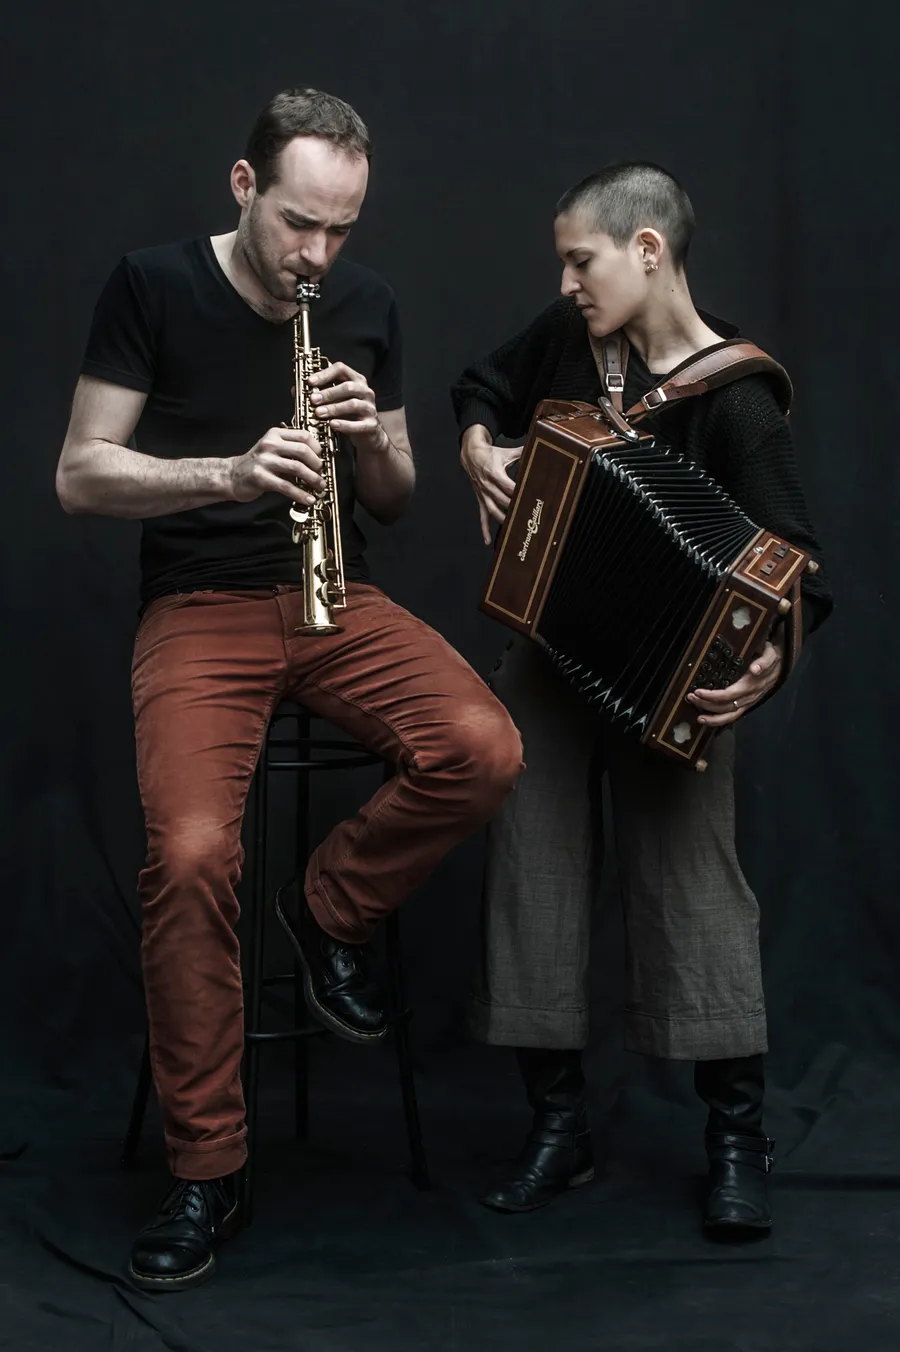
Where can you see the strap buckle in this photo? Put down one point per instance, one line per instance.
(615, 382)
(654, 399)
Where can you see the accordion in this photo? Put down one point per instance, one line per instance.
(638, 575)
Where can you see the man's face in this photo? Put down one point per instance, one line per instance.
(299, 225)
(607, 283)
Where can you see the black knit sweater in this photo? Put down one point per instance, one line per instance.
(736, 433)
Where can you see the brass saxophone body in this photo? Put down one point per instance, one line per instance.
(317, 527)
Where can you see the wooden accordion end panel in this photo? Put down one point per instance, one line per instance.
(550, 475)
(636, 573)
(731, 635)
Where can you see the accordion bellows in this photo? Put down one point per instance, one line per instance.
(637, 573)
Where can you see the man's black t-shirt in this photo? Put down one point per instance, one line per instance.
(218, 376)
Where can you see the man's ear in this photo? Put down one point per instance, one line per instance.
(243, 183)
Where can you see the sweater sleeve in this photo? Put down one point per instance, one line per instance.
(751, 454)
(503, 389)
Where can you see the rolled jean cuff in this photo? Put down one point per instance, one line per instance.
(203, 1160)
(328, 917)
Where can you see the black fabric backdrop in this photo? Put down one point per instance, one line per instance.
(122, 124)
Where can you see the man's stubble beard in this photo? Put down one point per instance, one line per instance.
(250, 238)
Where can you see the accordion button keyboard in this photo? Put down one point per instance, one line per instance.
(721, 666)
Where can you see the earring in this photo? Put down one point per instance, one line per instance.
(652, 267)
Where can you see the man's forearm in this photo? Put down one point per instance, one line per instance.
(385, 479)
(108, 480)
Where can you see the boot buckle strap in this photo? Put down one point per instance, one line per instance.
(757, 1151)
(547, 1136)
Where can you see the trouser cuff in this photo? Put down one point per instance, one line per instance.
(203, 1160)
(696, 1039)
(512, 1026)
(329, 918)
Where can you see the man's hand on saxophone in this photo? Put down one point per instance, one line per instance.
(385, 474)
(344, 397)
(286, 460)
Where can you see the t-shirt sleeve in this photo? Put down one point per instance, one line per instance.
(387, 378)
(121, 346)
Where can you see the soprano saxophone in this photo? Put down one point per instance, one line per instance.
(317, 527)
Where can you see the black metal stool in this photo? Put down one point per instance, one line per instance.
(343, 755)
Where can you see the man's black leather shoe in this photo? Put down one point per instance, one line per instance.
(339, 992)
(176, 1250)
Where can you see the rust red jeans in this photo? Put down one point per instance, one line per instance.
(209, 668)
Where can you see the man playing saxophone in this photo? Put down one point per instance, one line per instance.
(189, 363)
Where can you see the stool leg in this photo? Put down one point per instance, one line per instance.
(138, 1107)
(420, 1175)
(256, 966)
(301, 1060)
(301, 1014)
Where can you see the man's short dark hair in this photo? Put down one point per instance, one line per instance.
(302, 112)
(624, 198)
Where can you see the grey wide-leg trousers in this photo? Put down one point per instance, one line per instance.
(693, 984)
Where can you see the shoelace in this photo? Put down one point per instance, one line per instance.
(343, 954)
(185, 1196)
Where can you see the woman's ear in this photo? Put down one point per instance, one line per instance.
(651, 246)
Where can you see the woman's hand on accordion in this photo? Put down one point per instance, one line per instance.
(486, 466)
(721, 707)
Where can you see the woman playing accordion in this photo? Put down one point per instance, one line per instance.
(694, 989)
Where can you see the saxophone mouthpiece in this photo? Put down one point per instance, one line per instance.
(306, 290)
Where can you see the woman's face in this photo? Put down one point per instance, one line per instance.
(609, 284)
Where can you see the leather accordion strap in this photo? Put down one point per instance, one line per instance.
(611, 359)
(712, 369)
(717, 366)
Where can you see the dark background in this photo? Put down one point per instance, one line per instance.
(122, 122)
